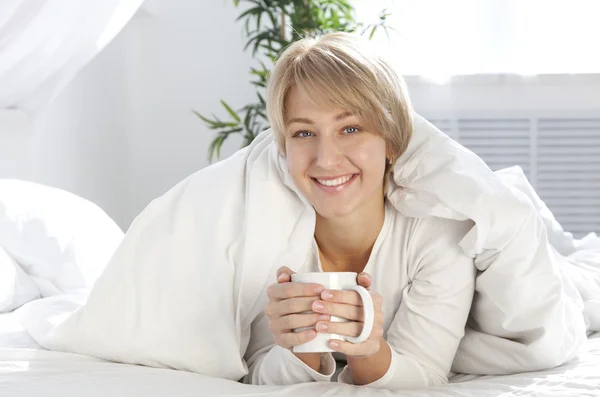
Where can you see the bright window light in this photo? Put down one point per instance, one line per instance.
(441, 38)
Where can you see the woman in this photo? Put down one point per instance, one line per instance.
(341, 116)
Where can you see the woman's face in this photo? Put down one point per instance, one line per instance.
(333, 159)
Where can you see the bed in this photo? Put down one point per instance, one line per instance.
(43, 229)
(28, 370)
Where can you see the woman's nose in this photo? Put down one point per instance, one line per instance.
(328, 154)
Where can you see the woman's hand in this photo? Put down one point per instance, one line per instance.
(287, 310)
(348, 305)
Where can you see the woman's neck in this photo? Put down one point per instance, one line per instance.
(345, 244)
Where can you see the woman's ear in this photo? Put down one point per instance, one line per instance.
(389, 156)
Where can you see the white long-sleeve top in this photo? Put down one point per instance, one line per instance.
(427, 284)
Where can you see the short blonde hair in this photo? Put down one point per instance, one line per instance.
(342, 70)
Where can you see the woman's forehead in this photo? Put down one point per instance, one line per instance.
(309, 114)
(303, 101)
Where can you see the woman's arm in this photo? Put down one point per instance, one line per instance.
(365, 370)
(430, 321)
(271, 364)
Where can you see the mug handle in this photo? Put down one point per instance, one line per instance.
(369, 312)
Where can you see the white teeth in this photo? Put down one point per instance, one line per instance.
(335, 182)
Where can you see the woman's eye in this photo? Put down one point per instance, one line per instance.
(303, 134)
(351, 130)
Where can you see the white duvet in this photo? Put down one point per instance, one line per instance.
(190, 275)
(35, 373)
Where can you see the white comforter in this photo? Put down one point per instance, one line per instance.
(38, 373)
(189, 278)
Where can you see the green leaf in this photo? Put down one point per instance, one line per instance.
(203, 118)
(215, 147)
(224, 124)
(236, 2)
(232, 131)
(258, 19)
(257, 72)
(231, 112)
(247, 27)
(373, 32)
(228, 124)
(247, 118)
(335, 19)
(254, 11)
(219, 146)
(261, 99)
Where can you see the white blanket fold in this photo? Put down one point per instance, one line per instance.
(191, 273)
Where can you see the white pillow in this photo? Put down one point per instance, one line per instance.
(61, 240)
(16, 288)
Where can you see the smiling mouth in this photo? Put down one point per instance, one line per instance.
(333, 183)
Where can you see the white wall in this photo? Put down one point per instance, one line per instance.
(123, 132)
(187, 54)
(16, 134)
(492, 94)
(78, 140)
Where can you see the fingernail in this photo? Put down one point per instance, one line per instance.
(334, 344)
(318, 306)
(324, 317)
(327, 295)
(319, 289)
(311, 334)
(322, 327)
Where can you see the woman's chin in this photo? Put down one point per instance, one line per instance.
(332, 211)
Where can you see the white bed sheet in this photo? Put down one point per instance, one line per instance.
(13, 335)
(42, 373)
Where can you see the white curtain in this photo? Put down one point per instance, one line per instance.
(44, 43)
(441, 38)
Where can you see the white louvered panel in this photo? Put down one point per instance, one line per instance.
(564, 154)
(569, 171)
(500, 142)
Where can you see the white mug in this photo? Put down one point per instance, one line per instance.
(336, 281)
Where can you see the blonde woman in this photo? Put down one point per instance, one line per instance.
(341, 115)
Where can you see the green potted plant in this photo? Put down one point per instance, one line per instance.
(271, 26)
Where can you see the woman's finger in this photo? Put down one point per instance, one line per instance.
(284, 278)
(284, 274)
(290, 339)
(348, 312)
(349, 328)
(293, 290)
(290, 306)
(364, 279)
(295, 321)
(339, 296)
(365, 349)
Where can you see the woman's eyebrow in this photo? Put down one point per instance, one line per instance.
(304, 120)
(343, 115)
(301, 120)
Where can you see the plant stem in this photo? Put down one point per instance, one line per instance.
(282, 25)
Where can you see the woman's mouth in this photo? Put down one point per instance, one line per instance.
(335, 184)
